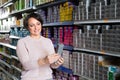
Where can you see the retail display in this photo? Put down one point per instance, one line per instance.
(89, 30)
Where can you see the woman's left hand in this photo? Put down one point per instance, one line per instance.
(59, 62)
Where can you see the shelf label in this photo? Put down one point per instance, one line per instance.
(102, 52)
(105, 20)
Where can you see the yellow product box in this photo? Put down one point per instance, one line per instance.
(18, 22)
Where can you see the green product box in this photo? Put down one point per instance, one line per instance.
(111, 75)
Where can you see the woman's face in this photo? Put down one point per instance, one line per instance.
(34, 27)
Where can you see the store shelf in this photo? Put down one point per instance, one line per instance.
(70, 48)
(16, 68)
(6, 64)
(106, 21)
(66, 47)
(59, 23)
(14, 57)
(3, 17)
(4, 31)
(15, 78)
(7, 73)
(7, 3)
(96, 52)
(87, 78)
(50, 4)
(27, 10)
(14, 37)
(6, 55)
(10, 75)
(64, 69)
(8, 45)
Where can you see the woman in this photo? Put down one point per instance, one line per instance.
(36, 53)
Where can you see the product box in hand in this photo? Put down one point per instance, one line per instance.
(60, 48)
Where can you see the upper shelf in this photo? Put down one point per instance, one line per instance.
(4, 31)
(50, 4)
(10, 2)
(14, 37)
(96, 52)
(59, 23)
(104, 21)
(34, 8)
(30, 9)
(8, 45)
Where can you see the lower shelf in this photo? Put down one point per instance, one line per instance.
(64, 69)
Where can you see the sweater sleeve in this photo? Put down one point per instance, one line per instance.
(51, 47)
(24, 58)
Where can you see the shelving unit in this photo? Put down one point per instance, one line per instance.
(82, 20)
(27, 10)
(58, 23)
(4, 32)
(6, 3)
(105, 21)
(102, 53)
(8, 45)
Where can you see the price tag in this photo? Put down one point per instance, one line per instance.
(105, 20)
(102, 52)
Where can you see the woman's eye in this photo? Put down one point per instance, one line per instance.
(38, 23)
(31, 25)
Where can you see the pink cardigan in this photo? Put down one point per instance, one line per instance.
(29, 50)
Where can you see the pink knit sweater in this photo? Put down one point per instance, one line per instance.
(29, 50)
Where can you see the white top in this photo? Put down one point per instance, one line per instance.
(29, 50)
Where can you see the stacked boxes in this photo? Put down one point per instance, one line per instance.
(66, 58)
(66, 12)
(87, 67)
(117, 10)
(97, 10)
(110, 39)
(61, 35)
(75, 37)
(97, 38)
(68, 36)
(58, 13)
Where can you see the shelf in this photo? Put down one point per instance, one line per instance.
(59, 23)
(68, 47)
(87, 78)
(27, 10)
(4, 31)
(8, 45)
(4, 18)
(3, 62)
(106, 21)
(14, 37)
(6, 55)
(64, 69)
(10, 75)
(96, 52)
(14, 57)
(16, 68)
(10, 2)
(50, 4)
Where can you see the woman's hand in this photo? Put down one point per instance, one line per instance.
(58, 63)
(50, 59)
